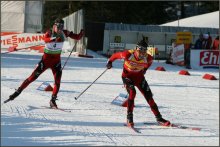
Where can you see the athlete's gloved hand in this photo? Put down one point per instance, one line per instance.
(52, 39)
(81, 33)
(56, 39)
(144, 71)
(109, 64)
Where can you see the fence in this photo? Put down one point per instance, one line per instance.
(75, 22)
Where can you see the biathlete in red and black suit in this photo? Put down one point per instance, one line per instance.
(54, 40)
(136, 63)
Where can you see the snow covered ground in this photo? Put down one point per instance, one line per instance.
(93, 121)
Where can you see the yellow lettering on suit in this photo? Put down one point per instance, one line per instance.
(133, 65)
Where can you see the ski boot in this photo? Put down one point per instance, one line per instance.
(14, 95)
(130, 122)
(53, 102)
(161, 121)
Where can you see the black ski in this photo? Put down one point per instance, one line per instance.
(184, 127)
(136, 130)
(64, 110)
(175, 126)
(7, 100)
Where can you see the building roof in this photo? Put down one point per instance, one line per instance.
(208, 20)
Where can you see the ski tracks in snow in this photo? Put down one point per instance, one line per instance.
(111, 133)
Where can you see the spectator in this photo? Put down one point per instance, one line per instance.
(209, 43)
(187, 48)
(170, 57)
(198, 44)
(215, 45)
(205, 41)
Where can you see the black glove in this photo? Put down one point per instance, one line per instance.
(144, 71)
(53, 39)
(109, 65)
(81, 33)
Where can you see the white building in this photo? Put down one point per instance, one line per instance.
(21, 16)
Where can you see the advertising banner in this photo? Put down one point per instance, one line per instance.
(33, 41)
(178, 54)
(23, 40)
(183, 37)
(201, 59)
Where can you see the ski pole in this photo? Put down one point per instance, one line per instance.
(69, 55)
(13, 51)
(90, 84)
(13, 48)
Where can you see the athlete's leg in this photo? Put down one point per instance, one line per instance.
(146, 91)
(35, 74)
(57, 73)
(132, 93)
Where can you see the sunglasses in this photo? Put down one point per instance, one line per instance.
(141, 53)
(141, 48)
(59, 25)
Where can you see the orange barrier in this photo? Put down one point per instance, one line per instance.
(184, 72)
(125, 103)
(209, 77)
(45, 87)
(160, 68)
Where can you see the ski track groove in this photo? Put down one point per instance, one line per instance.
(96, 132)
(19, 113)
(23, 112)
(104, 132)
(108, 137)
(103, 135)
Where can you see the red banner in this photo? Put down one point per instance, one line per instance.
(23, 40)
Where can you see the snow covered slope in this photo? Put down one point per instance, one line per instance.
(93, 120)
